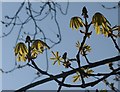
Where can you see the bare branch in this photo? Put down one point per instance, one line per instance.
(99, 63)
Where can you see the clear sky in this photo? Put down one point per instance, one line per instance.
(101, 47)
(1, 46)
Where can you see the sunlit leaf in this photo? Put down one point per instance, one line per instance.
(76, 77)
(76, 22)
(56, 57)
(21, 51)
(104, 90)
(101, 24)
(34, 53)
(37, 47)
(89, 71)
(85, 49)
(78, 45)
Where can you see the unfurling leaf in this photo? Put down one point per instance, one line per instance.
(101, 24)
(85, 49)
(56, 58)
(76, 22)
(21, 51)
(76, 77)
(37, 47)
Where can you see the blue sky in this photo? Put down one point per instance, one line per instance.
(101, 47)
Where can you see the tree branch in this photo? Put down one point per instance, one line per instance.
(99, 63)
